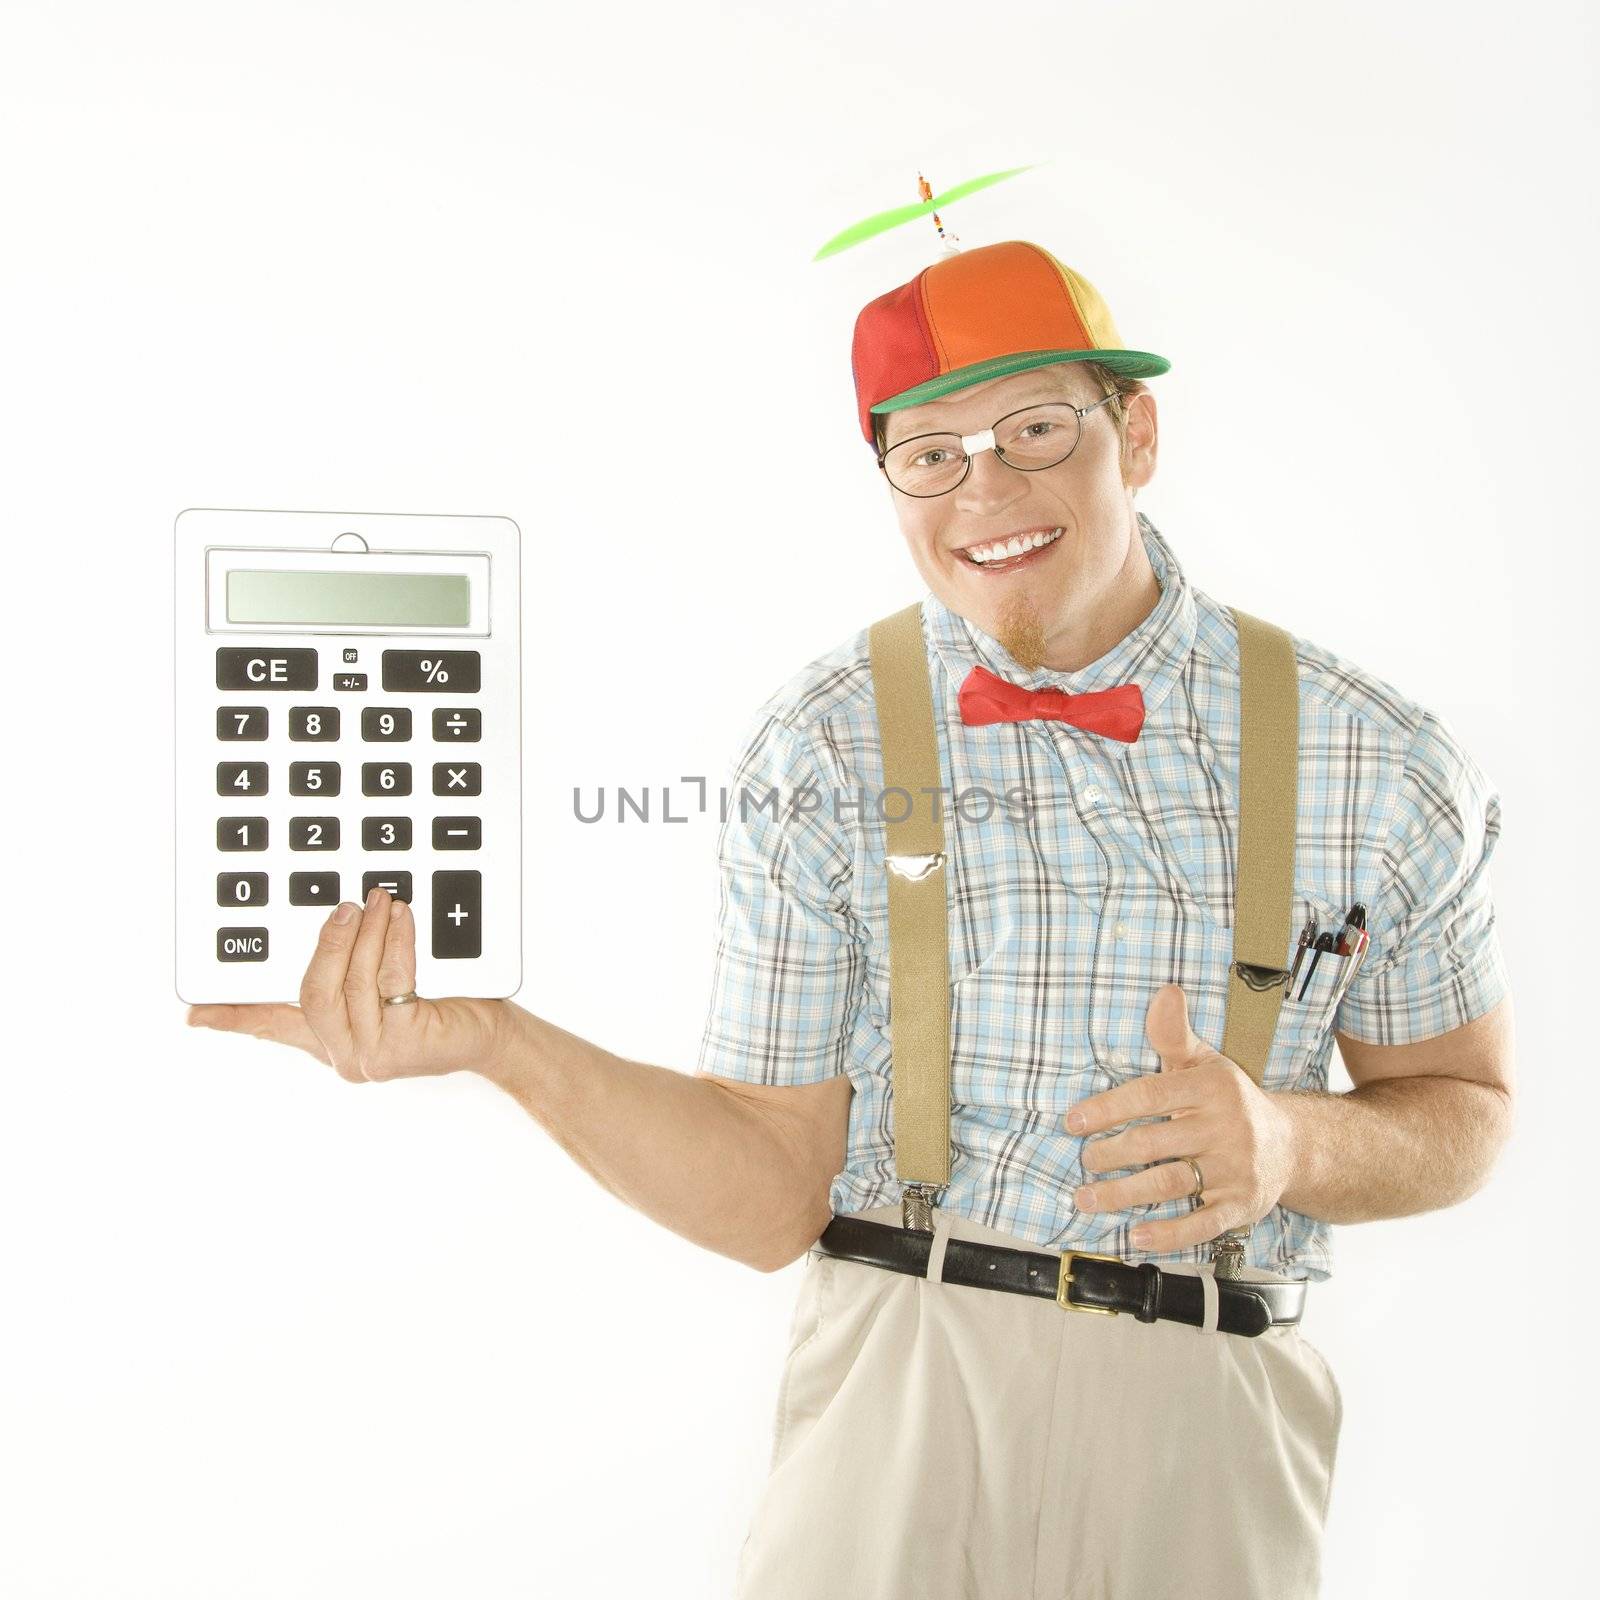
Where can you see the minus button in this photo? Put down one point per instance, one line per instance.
(458, 833)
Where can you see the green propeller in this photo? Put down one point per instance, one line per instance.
(884, 220)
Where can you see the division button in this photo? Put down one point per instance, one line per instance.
(457, 724)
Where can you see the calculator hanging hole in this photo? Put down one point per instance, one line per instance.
(339, 544)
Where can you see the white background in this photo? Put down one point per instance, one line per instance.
(268, 1333)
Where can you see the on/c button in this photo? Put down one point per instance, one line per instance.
(241, 944)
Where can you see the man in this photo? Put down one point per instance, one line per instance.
(937, 1438)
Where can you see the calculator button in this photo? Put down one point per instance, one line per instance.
(460, 724)
(313, 777)
(266, 669)
(313, 833)
(241, 833)
(349, 680)
(241, 888)
(386, 777)
(440, 671)
(241, 944)
(313, 888)
(349, 656)
(386, 833)
(457, 915)
(241, 722)
(397, 883)
(457, 777)
(241, 777)
(386, 722)
(314, 722)
(458, 833)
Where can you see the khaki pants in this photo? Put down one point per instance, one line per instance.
(940, 1442)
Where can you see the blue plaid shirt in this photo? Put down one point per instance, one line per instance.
(1084, 873)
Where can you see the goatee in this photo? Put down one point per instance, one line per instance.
(1021, 633)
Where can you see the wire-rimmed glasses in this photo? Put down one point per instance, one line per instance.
(1029, 440)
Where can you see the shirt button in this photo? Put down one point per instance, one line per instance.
(1122, 930)
(1091, 795)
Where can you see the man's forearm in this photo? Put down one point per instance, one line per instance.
(1392, 1148)
(679, 1148)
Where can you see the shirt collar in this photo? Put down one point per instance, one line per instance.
(1152, 655)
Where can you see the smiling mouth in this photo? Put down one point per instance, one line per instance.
(1001, 555)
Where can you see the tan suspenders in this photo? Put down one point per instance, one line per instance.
(919, 960)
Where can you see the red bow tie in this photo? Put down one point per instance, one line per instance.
(1116, 713)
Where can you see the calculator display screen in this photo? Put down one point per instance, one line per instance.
(350, 599)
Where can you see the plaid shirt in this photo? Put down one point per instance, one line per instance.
(1069, 909)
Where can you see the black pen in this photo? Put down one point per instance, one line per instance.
(1325, 941)
(1307, 934)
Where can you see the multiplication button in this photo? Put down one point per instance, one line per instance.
(457, 777)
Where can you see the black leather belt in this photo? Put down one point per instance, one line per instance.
(1075, 1279)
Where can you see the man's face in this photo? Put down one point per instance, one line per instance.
(1033, 602)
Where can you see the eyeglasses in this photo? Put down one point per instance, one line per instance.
(1029, 440)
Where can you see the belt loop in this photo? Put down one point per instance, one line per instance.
(942, 1221)
(1213, 1296)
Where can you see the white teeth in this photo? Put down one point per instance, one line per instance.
(1004, 549)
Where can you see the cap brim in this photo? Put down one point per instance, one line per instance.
(1126, 363)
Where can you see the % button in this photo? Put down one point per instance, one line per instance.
(432, 671)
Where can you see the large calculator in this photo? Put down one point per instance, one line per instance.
(348, 713)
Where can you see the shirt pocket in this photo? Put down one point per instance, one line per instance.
(1303, 1039)
(1149, 937)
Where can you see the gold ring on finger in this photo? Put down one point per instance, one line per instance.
(1199, 1180)
(399, 999)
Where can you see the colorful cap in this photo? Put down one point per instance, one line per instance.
(978, 314)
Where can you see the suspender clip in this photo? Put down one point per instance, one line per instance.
(916, 1207)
